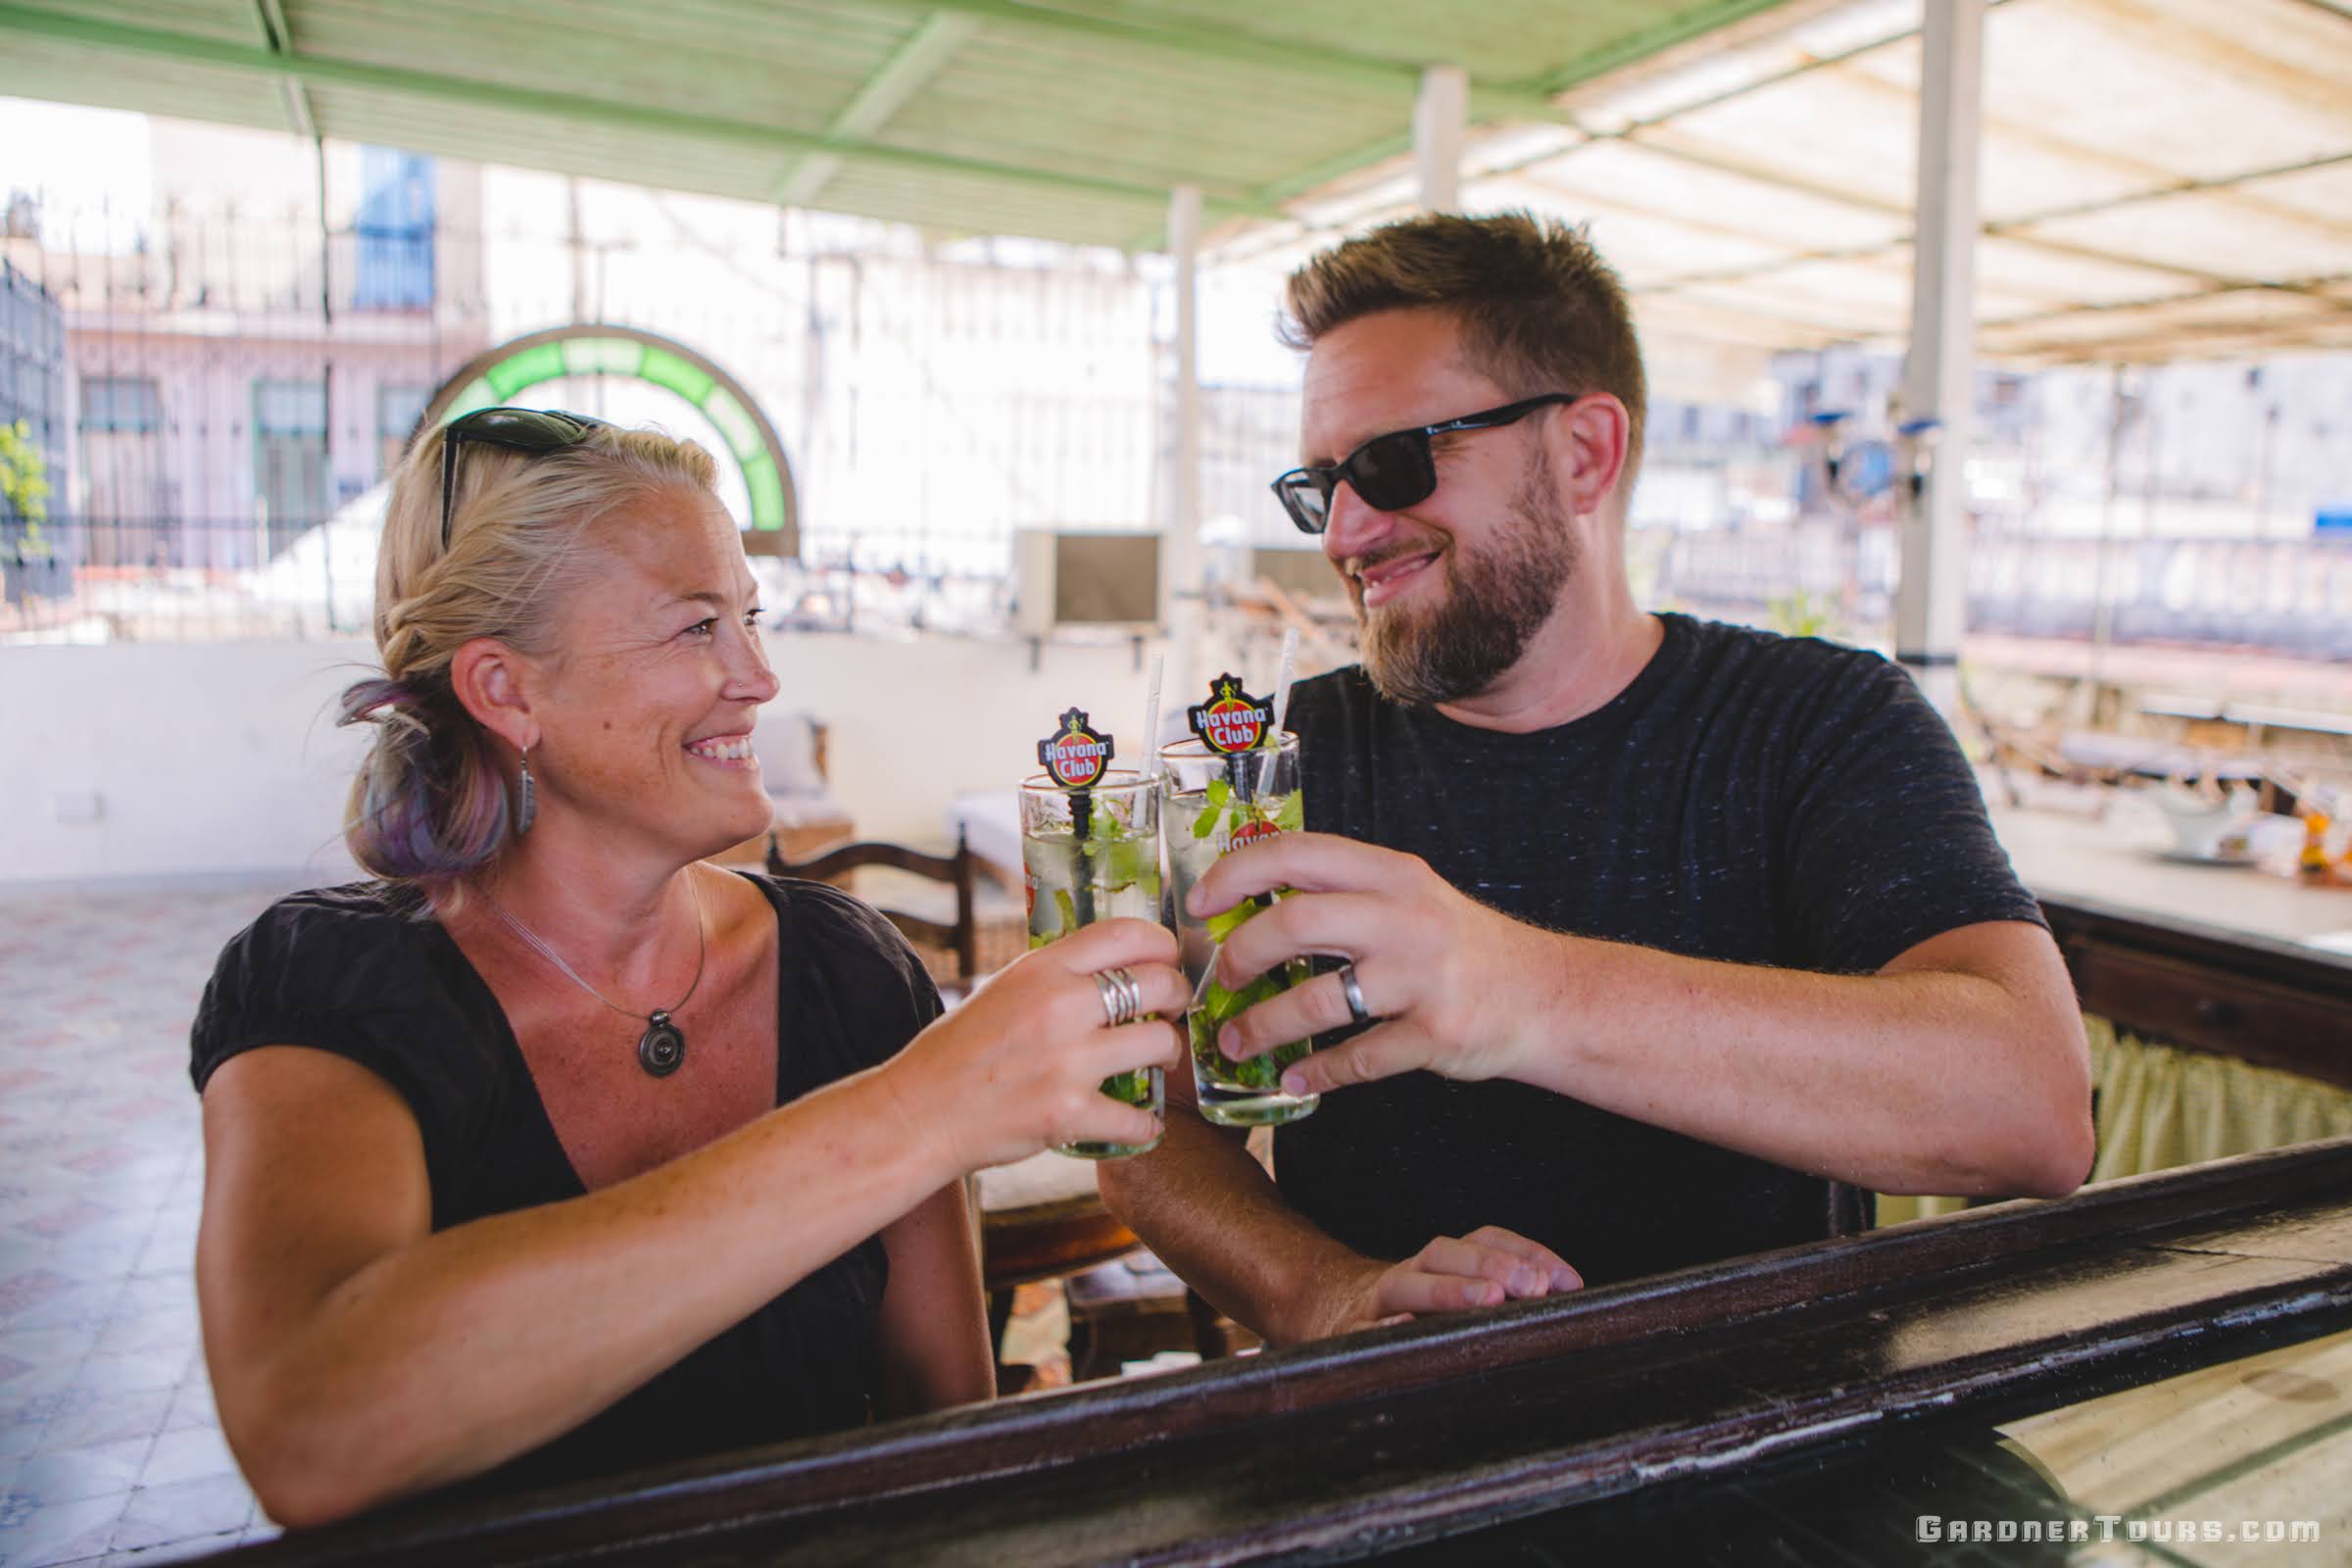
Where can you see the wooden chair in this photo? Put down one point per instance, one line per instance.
(960, 870)
(805, 819)
(1042, 1218)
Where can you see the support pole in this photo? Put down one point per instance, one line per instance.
(1939, 373)
(2102, 601)
(1440, 114)
(1181, 582)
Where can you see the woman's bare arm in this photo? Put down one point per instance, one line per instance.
(934, 1327)
(356, 1355)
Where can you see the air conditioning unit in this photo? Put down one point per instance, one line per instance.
(1300, 573)
(1085, 577)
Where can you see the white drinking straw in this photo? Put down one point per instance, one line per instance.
(1282, 705)
(1151, 719)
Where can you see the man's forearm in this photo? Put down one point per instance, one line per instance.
(1213, 1215)
(1958, 1068)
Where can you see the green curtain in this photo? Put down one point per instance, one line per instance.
(2159, 1106)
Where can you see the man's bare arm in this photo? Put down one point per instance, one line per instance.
(1206, 1206)
(1959, 1067)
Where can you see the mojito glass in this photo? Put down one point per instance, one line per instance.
(1093, 855)
(1216, 801)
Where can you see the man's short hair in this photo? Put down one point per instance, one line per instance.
(1539, 309)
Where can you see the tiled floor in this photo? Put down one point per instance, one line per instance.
(109, 1448)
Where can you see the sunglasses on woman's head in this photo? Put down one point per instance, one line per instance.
(1391, 471)
(536, 432)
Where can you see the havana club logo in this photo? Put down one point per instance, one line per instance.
(1075, 754)
(1231, 720)
(1251, 831)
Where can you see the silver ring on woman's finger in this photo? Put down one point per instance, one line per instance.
(1357, 1012)
(1122, 997)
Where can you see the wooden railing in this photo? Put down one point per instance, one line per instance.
(1427, 1429)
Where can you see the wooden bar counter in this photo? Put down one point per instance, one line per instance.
(1610, 1415)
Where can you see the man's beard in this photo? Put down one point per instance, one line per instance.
(1494, 603)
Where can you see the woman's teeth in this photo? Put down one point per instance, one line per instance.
(734, 750)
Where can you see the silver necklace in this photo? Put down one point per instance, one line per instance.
(662, 1047)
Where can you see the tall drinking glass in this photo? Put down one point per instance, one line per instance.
(1215, 803)
(1093, 854)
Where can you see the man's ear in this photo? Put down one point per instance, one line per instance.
(495, 683)
(1590, 440)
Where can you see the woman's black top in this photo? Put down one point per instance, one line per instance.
(355, 971)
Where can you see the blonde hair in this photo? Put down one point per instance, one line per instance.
(429, 804)
(1539, 309)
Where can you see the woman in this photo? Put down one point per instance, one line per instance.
(554, 1151)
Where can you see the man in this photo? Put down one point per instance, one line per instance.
(1660, 927)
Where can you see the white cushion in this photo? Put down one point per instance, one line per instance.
(787, 748)
(989, 821)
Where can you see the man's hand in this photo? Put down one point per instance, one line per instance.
(1485, 1268)
(1451, 981)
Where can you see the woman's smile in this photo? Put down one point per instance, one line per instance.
(726, 751)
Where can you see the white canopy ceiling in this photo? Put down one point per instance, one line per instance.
(2160, 178)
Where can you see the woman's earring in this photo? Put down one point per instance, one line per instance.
(526, 801)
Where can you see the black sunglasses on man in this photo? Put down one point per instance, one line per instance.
(1391, 471)
(536, 432)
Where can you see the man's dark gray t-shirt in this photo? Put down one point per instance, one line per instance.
(1751, 798)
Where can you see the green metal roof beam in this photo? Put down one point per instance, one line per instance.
(1331, 168)
(1537, 92)
(888, 90)
(1775, 79)
(1641, 45)
(103, 35)
(279, 38)
(1306, 180)
(1489, 100)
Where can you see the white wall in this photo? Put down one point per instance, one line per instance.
(204, 757)
(224, 756)
(913, 723)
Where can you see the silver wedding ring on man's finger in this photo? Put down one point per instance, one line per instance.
(1357, 1012)
(1122, 997)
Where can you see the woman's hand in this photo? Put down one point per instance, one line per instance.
(1019, 1066)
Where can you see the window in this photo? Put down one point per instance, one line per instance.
(289, 408)
(125, 483)
(121, 404)
(397, 411)
(289, 457)
(394, 231)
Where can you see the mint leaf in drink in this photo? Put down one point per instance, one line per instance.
(1065, 911)
(1129, 861)
(1207, 823)
(1258, 1072)
(1221, 926)
(1291, 816)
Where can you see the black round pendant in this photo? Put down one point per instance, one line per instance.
(661, 1048)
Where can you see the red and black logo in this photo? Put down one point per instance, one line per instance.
(1251, 830)
(1231, 720)
(1074, 756)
